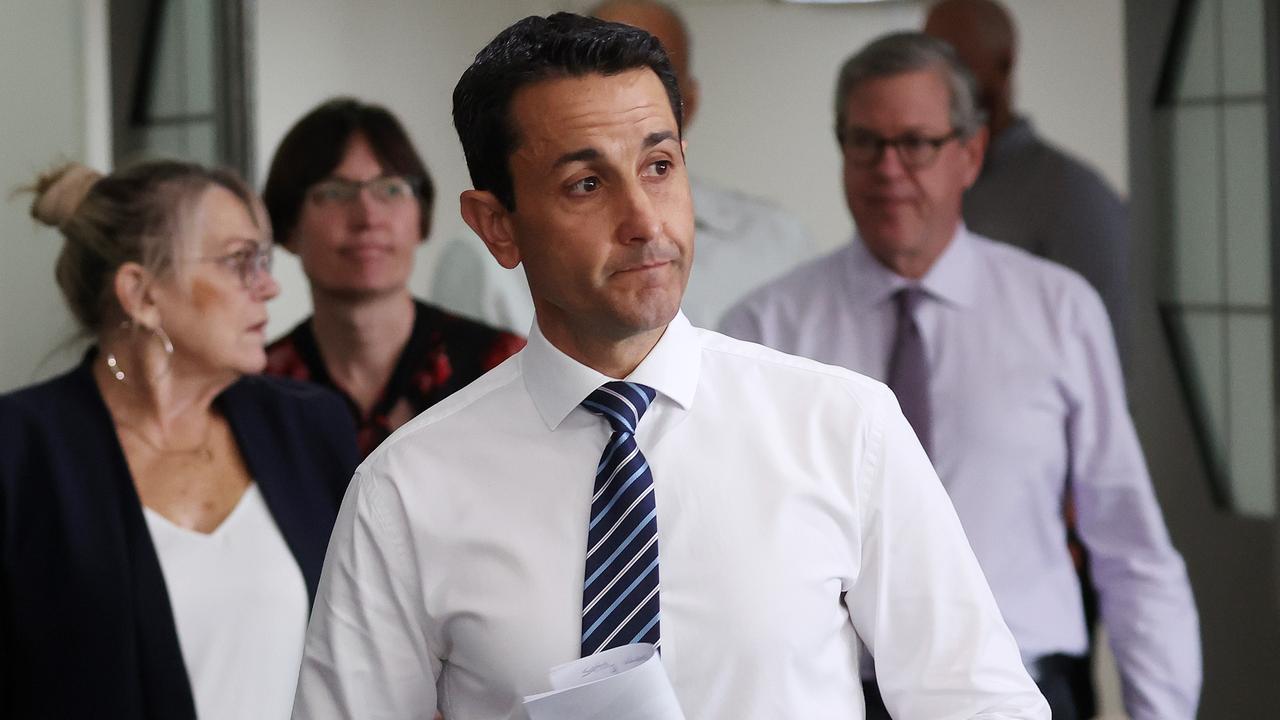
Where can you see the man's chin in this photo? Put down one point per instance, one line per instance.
(643, 315)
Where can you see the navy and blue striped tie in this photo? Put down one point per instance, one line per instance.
(620, 592)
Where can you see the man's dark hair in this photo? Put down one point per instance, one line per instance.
(315, 146)
(532, 50)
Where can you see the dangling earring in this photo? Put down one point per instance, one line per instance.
(164, 340)
(112, 364)
(116, 372)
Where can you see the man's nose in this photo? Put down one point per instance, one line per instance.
(889, 163)
(640, 219)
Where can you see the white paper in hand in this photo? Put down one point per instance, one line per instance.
(625, 683)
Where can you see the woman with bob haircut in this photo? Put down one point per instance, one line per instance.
(349, 195)
(164, 510)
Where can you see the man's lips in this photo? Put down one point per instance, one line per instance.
(648, 265)
(889, 199)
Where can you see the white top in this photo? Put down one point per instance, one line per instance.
(741, 242)
(1028, 407)
(797, 513)
(240, 606)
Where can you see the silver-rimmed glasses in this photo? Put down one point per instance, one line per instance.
(250, 263)
(385, 189)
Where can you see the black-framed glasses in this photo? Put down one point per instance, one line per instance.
(865, 148)
(385, 189)
(250, 264)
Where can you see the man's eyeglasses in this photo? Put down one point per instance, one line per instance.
(386, 189)
(865, 148)
(250, 264)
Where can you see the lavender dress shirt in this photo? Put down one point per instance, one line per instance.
(1028, 405)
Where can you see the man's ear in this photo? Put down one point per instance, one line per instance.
(491, 220)
(135, 291)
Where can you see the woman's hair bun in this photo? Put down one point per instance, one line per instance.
(60, 191)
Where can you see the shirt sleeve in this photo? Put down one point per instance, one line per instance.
(367, 652)
(920, 602)
(1145, 597)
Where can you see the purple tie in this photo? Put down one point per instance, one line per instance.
(909, 366)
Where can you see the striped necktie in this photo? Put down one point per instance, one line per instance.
(620, 590)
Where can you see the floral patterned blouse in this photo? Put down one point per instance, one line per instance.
(444, 353)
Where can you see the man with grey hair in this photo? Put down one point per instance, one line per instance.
(1007, 370)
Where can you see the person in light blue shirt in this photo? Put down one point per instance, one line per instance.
(1016, 388)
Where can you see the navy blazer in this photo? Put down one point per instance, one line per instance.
(86, 628)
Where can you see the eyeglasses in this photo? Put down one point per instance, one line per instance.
(250, 264)
(386, 189)
(865, 148)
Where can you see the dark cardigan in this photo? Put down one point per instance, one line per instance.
(86, 628)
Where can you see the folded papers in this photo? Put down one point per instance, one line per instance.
(625, 683)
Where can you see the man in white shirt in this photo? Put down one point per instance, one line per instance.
(743, 241)
(757, 516)
(1006, 367)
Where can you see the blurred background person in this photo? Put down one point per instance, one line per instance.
(349, 195)
(1037, 197)
(743, 241)
(165, 511)
(1030, 193)
(1006, 368)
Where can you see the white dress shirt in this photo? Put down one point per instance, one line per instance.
(797, 513)
(240, 608)
(1028, 405)
(741, 242)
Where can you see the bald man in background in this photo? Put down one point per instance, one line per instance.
(1030, 193)
(743, 242)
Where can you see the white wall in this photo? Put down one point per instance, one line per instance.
(49, 113)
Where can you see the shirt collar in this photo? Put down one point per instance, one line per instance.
(558, 383)
(951, 279)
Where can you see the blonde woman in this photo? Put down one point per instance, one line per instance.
(164, 511)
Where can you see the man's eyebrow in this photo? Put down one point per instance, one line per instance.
(659, 137)
(577, 156)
